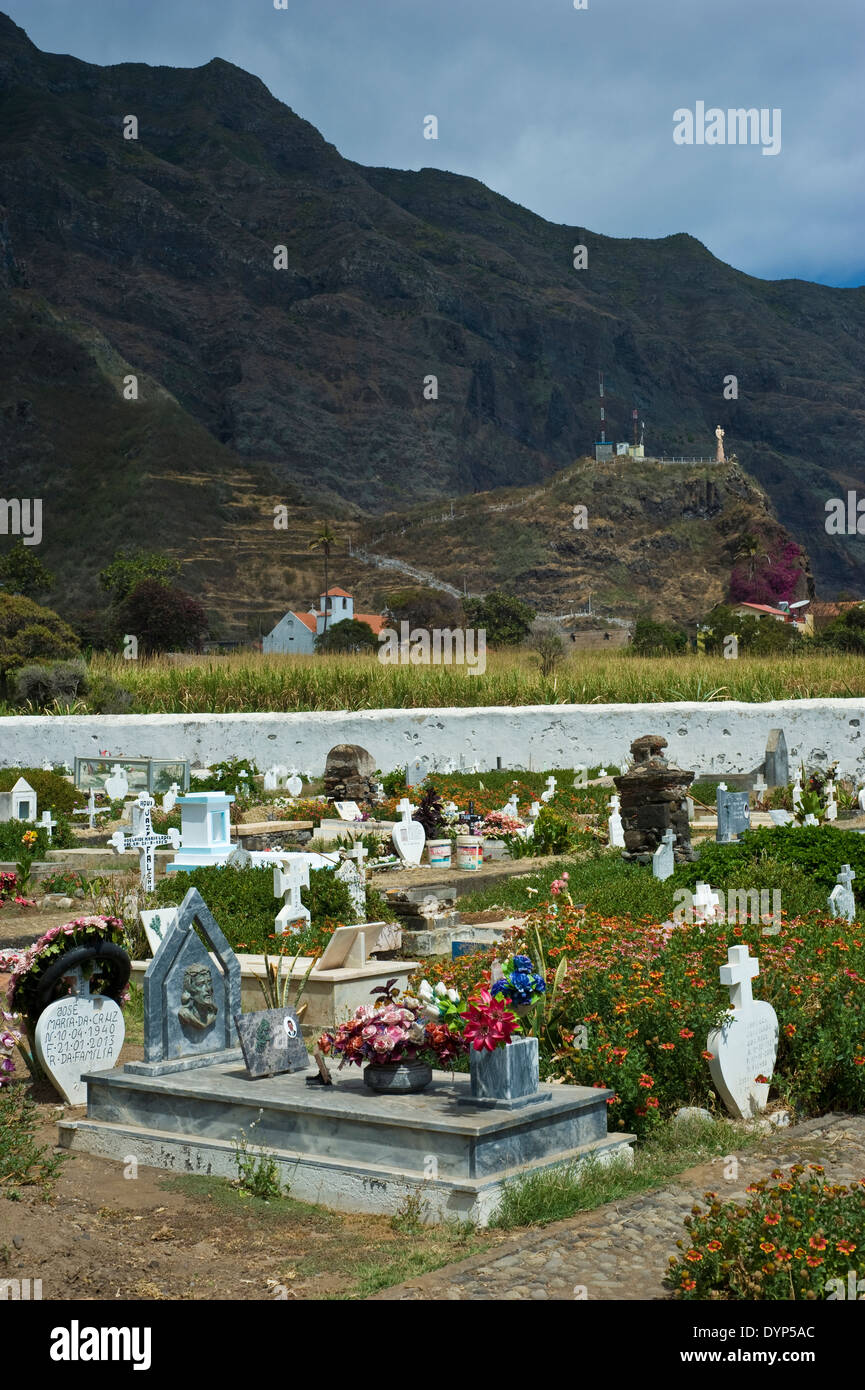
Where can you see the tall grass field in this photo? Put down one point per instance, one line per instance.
(253, 682)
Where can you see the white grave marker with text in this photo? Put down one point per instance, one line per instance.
(746, 1044)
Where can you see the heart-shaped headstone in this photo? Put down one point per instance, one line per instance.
(117, 785)
(77, 1035)
(409, 838)
(743, 1048)
(294, 786)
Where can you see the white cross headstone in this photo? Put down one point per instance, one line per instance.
(614, 824)
(602, 772)
(842, 903)
(145, 840)
(47, 766)
(861, 799)
(271, 779)
(117, 785)
(169, 800)
(294, 784)
(663, 862)
(90, 809)
(706, 903)
(550, 791)
(797, 793)
(512, 807)
(288, 880)
(760, 786)
(745, 1046)
(831, 803)
(409, 836)
(47, 823)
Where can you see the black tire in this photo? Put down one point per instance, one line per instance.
(118, 968)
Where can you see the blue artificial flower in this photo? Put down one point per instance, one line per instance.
(500, 987)
(523, 963)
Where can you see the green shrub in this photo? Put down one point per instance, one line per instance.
(226, 776)
(41, 684)
(818, 850)
(31, 633)
(798, 1239)
(22, 1160)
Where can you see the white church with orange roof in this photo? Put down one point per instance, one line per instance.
(296, 632)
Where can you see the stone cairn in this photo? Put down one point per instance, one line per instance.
(349, 774)
(654, 799)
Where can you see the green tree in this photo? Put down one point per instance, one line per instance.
(22, 572)
(757, 636)
(427, 608)
(31, 633)
(846, 633)
(163, 619)
(323, 539)
(657, 639)
(507, 620)
(349, 635)
(129, 568)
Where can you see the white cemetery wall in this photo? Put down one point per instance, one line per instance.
(717, 737)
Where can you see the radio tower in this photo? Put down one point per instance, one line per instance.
(634, 413)
(603, 415)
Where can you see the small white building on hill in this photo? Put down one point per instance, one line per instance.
(296, 632)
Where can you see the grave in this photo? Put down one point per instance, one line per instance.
(776, 766)
(746, 1044)
(205, 831)
(271, 1042)
(19, 804)
(351, 873)
(341, 1145)
(653, 800)
(734, 814)
(409, 837)
(614, 824)
(77, 1035)
(349, 773)
(663, 862)
(287, 883)
(841, 901)
(145, 839)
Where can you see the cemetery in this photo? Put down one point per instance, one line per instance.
(434, 995)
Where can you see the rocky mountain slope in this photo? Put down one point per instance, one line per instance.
(304, 384)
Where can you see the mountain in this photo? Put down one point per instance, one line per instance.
(155, 258)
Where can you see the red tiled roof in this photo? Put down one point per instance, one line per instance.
(337, 593)
(308, 620)
(374, 620)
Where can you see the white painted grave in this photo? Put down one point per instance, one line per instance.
(706, 904)
(205, 831)
(294, 785)
(663, 862)
(117, 784)
(409, 837)
(156, 922)
(271, 779)
(287, 882)
(842, 903)
(614, 824)
(550, 791)
(89, 810)
(169, 800)
(348, 810)
(77, 1035)
(746, 1044)
(831, 803)
(19, 804)
(353, 876)
(145, 840)
(797, 793)
(48, 823)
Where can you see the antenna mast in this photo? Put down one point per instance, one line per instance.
(603, 413)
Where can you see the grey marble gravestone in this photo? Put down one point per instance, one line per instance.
(734, 815)
(776, 767)
(190, 1001)
(272, 1042)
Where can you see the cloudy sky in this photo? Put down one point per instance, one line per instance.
(569, 112)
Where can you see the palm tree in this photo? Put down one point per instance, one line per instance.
(748, 548)
(323, 540)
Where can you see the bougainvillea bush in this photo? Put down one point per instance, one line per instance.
(797, 1237)
(635, 1008)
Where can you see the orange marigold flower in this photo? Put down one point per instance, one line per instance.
(694, 1256)
(714, 1245)
(846, 1247)
(816, 1168)
(767, 1246)
(685, 1033)
(799, 1253)
(653, 1102)
(646, 1081)
(813, 1261)
(688, 1284)
(789, 1029)
(667, 1047)
(783, 1256)
(772, 1219)
(818, 1242)
(707, 1055)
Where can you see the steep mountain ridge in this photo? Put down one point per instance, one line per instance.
(306, 383)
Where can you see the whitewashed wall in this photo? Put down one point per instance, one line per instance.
(722, 737)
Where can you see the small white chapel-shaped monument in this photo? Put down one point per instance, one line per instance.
(205, 831)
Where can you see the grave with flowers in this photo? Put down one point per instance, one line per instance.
(379, 1117)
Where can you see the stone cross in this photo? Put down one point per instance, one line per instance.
(405, 808)
(831, 803)
(760, 786)
(841, 900)
(271, 779)
(90, 809)
(145, 840)
(169, 800)
(48, 824)
(358, 854)
(797, 793)
(737, 975)
(287, 883)
(614, 824)
(706, 903)
(551, 790)
(512, 807)
(663, 862)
